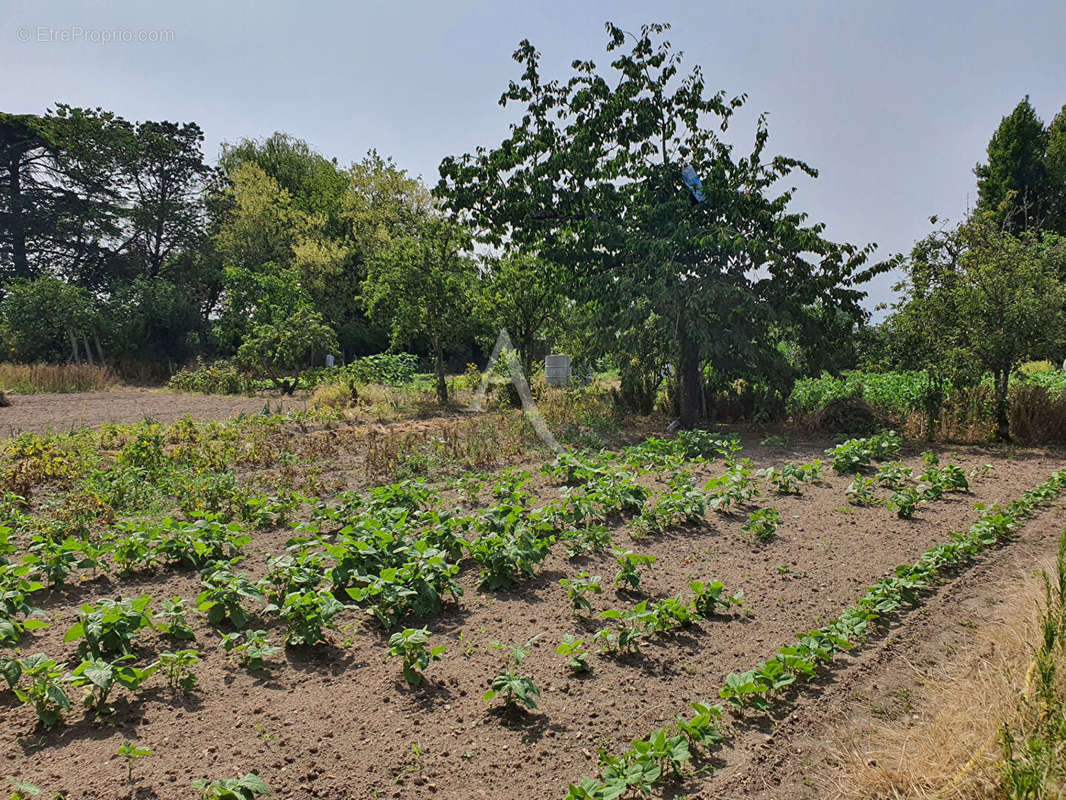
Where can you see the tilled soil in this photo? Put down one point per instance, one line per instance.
(62, 413)
(337, 721)
(884, 680)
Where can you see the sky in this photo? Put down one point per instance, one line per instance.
(893, 102)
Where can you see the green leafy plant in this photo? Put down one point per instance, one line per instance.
(860, 491)
(131, 752)
(223, 597)
(306, 613)
(177, 667)
(629, 564)
(905, 501)
(710, 596)
(45, 691)
(578, 589)
(763, 523)
(22, 790)
(411, 645)
(110, 627)
(250, 648)
(631, 626)
(514, 688)
(893, 475)
(99, 677)
(171, 619)
(247, 788)
(573, 649)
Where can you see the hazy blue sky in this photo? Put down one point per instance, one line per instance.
(892, 101)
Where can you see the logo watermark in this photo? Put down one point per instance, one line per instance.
(74, 34)
(505, 350)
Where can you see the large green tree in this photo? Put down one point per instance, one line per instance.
(522, 294)
(981, 300)
(422, 285)
(1013, 185)
(590, 177)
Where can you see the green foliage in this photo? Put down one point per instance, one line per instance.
(412, 646)
(509, 546)
(100, 676)
(629, 564)
(763, 523)
(514, 688)
(306, 613)
(282, 346)
(860, 491)
(578, 588)
(592, 157)
(177, 667)
(421, 285)
(45, 691)
(710, 597)
(224, 595)
(171, 619)
(250, 648)
(109, 628)
(247, 788)
(854, 454)
(905, 501)
(573, 649)
(131, 752)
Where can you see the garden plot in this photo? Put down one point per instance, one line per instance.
(581, 606)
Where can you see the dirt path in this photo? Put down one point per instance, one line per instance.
(884, 681)
(63, 412)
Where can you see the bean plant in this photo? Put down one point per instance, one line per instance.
(412, 646)
(515, 689)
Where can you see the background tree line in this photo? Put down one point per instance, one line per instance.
(616, 221)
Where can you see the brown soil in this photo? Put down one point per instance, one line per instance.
(62, 413)
(338, 722)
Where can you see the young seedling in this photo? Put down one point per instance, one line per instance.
(860, 491)
(577, 589)
(131, 752)
(514, 688)
(574, 650)
(411, 645)
(21, 790)
(45, 692)
(246, 788)
(763, 523)
(905, 501)
(629, 564)
(710, 597)
(177, 666)
(251, 648)
(171, 620)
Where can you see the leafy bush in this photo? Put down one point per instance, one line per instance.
(223, 596)
(45, 692)
(110, 627)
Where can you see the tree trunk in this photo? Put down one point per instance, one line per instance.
(1001, 380)
(74, 347)
(17, 226)
(688, 378)
(442, 385)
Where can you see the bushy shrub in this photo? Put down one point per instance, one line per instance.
(220, 377)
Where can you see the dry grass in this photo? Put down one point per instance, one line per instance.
(1037, 415)
(59, 378)
(953, 749)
